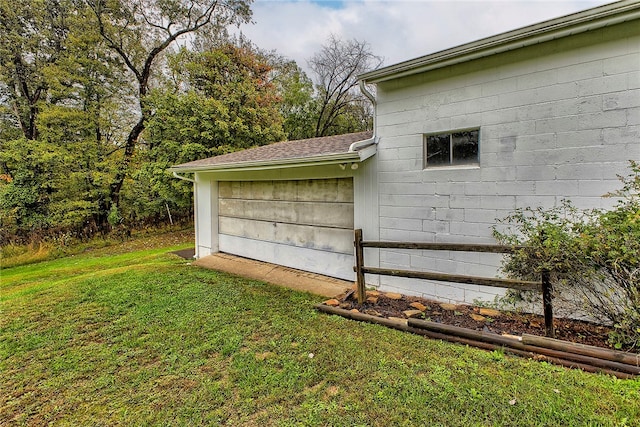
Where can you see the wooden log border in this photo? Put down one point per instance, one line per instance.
(619, 364)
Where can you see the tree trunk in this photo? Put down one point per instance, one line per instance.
(121, 174)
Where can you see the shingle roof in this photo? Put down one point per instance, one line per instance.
(303, 149)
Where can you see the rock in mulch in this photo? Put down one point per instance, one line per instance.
(477, 317)
(332, 302)
(489, 312)
(393, 295)
(512, 323)
(372, 300)
(412, 313)
(418, 306)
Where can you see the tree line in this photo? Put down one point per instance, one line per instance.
(99, 97)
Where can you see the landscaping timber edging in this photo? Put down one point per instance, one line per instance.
(587, 358)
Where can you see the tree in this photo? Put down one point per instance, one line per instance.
(33, 35)
(297, 104)
(223, 99)
(60, 89)
(219, 100)
(138, 31)
(337, 67)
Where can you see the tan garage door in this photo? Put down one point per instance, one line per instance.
(305, 224)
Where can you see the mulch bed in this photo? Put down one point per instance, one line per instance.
(471, 317)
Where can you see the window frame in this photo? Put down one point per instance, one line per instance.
(451, 164)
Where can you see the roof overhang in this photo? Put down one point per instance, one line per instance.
(599, 17)
(357, 153)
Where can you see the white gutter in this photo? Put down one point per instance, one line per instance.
(577, 23)
(184, 178)
(328, 159)
(361, 144)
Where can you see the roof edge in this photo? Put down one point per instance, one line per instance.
(576, 23)
(327, 159)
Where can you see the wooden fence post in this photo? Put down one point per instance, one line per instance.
(547, 304)
(360, 287)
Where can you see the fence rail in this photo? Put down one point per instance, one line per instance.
(461, 247)
(544, 285)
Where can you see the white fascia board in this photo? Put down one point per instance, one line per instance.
(367, 152)
(331, 159)
(577, 23)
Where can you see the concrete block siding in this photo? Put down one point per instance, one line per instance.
(557, 120)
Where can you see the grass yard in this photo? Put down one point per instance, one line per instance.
(130, 335)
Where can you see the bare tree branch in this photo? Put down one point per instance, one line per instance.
(148, 19)
(337, 67)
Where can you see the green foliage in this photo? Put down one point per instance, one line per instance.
(62, 94)
(114, 217)
(613, 244)
(71, 74)
(231, 93)
(58, 183)
(594, 256)
(222, 101)
(94, 108)
(549, 240)
(33, 34)
(27, 193)
(297, 103)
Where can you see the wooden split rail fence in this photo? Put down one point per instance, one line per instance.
(544, 285)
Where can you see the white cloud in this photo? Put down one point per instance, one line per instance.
(397, 30)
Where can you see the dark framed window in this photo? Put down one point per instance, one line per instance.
(450, 149)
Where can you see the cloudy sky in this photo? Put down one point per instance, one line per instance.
(396, 29)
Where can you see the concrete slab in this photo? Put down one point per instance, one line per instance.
(185, 253)
(275, 274)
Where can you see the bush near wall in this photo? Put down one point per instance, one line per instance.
(594, 256)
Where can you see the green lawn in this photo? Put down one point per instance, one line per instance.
(114, 337)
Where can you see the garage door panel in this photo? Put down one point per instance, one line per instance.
(337, 215)
(326, 190)
(305, 213)
(321, 262)
(338, 190)
(284, 190)
(304, 236)
(259, 230)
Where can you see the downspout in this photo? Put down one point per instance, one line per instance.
(366, 204)
(373, 140)
(365, 92)
(195, 210)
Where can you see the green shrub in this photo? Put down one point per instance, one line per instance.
(594, 256)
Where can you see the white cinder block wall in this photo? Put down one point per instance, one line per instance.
(557, 120)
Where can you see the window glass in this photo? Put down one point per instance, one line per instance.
(465, 147)
(455, 148)
(438, 150)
